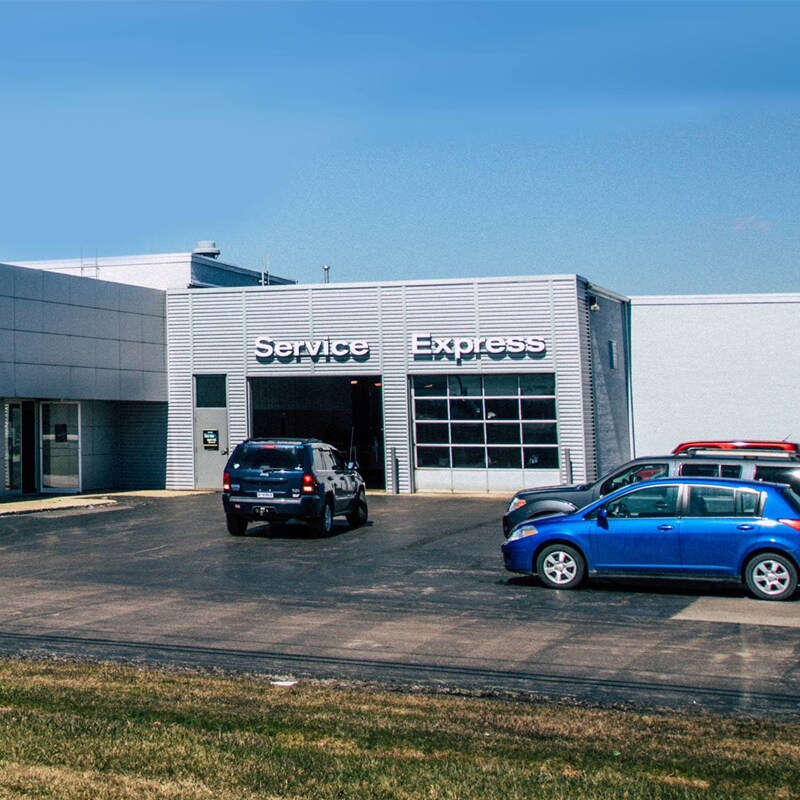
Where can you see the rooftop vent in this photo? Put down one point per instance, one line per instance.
(208, 249)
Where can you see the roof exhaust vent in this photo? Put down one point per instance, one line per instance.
(208, 249)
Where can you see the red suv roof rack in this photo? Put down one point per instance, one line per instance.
(791, 448)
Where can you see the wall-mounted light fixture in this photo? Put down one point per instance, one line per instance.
(594, 305)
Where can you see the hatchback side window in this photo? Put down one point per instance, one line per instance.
(634, 474)
(747, 503)
(653, 501)
(720, 501)
(711, 501)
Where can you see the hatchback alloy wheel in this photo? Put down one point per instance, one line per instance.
(560, 566)
(771, 577)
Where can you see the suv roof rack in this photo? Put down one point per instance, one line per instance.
(740, 448)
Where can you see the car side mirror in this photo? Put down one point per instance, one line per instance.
(602, 517)
(352, 465)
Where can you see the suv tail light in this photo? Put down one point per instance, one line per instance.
(310, 484)
(226, 481)
(792, 523)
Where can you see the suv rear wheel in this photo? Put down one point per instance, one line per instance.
(236, 525)
(324, 522)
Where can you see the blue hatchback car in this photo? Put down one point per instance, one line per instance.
(674, 527)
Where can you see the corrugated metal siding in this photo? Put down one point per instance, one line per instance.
(214, 331)
(180, 453)
(588, 393)
(393, 336)
(573, 378)
(217, 322)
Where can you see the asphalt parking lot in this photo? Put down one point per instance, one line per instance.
(419, 596)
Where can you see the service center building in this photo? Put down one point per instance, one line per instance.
(459, 385)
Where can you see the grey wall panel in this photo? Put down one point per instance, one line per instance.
(60, 322)
(609, 329)
(100, 449)
(143, 445)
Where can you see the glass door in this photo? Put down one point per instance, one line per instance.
(12, 453)
(60, 447)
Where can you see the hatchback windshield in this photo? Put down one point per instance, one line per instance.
(270, 457)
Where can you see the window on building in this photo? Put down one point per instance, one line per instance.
(489, 421)
(209, 391)
(613, 354)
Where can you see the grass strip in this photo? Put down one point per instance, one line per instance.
(73, 730)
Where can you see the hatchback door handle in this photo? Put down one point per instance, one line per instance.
(666, 527)
(745, 527)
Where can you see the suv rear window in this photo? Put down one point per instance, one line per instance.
(790, 475)
(270, 456)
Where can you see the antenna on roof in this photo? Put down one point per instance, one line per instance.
(264, 275)
(326, 272)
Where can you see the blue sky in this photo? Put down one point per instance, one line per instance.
(652, 147)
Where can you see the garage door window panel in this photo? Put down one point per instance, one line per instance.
(504, 421)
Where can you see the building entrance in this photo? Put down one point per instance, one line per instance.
(346, 411)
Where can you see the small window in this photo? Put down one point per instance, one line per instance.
(653, 501)
(210, 391)
(468, 433)
(790, 475)
(432, 433)
(700, 470)
(501, 385)
(613, 354)
(747, 503)
(464, 385)
(504, 458)
(502, 409)
(471, 457)
(538, 385)
(541, 457)
(539, 433)
(538, 409)
(336, 459)
(466, 409)
(270, 456)
(502, 433)
(430, 386)
(433, 457)
(635, 474)
(430, 409)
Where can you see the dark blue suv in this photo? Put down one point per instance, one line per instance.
(277, 480)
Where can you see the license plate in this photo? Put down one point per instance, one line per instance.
(265, 495)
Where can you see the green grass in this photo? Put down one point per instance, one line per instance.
(70, 730)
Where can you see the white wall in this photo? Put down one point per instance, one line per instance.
(724, 367)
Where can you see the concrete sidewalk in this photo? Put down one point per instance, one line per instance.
(38, 503)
